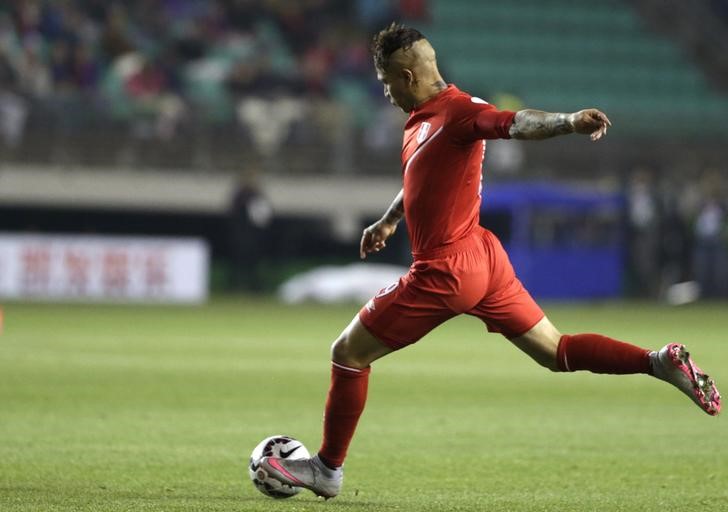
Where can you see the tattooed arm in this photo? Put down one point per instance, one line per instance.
(535, 124)
(395, 212)
(374, 237)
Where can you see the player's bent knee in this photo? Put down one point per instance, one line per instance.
(357, 348)
(339, 350)
(344, 352)
(541, 343)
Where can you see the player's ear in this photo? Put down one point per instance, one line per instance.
(408, 77)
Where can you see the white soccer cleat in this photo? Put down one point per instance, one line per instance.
(674, 365)
(308, 473)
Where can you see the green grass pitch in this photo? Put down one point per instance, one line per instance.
(116, 408)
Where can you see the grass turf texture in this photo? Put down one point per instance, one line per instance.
(157, 408)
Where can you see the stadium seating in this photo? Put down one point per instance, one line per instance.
(563, 54)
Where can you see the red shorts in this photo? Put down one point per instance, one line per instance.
(472, 276)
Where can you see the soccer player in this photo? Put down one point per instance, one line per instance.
(459, 267)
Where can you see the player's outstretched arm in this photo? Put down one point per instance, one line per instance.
(535, 124)
(374, 237)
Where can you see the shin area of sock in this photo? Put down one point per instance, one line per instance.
(344, 405)
(600, 354)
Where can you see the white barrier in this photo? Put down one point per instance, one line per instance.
(103, 268)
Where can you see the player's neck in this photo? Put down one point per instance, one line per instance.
(431, 88)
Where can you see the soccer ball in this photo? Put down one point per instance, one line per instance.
(283, 447)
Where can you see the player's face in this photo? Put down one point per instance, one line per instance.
(396, 89)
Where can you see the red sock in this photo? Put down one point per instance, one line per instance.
(344, 405)
(600, 354)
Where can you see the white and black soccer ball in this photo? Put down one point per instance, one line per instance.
(283, 447)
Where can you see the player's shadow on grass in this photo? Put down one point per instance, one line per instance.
(348, 503)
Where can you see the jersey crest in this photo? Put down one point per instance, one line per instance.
(424, 130)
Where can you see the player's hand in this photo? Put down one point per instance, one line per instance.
(374, 237)
(590, 122)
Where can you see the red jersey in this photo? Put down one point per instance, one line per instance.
(442, 158)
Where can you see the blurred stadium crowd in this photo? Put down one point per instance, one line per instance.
(156, 70)
(677, 232)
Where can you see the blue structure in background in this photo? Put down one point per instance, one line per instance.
(565, 242)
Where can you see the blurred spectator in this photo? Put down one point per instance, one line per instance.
(267, 103)
(13, 109)
(61, 67)
(157, 105)
(415, 10)
(27, 16)
(34, 76)
(642, 233)
(316, 66)
(249, 218)
(115, 38)
(84, 68)
(710, 249)
(675, 236)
